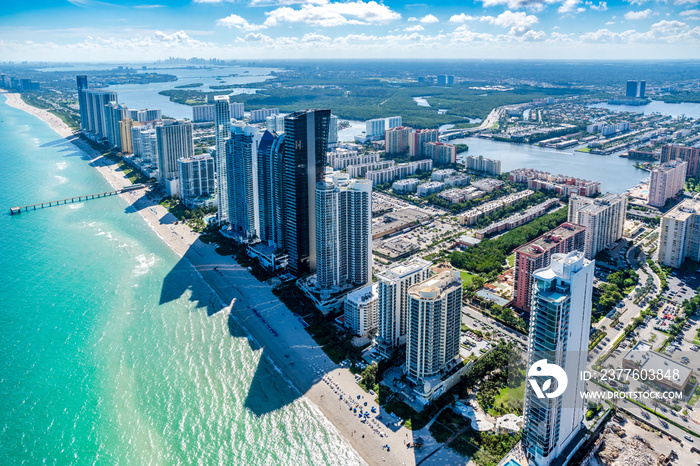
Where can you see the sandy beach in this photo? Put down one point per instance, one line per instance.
(292, 350)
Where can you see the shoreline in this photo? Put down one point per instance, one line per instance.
(293, 352)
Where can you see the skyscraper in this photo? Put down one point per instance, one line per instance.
(604, 219)
(393, 301)
(333, 132)
(343, 233)
(242, 174)
(82, 100)
(306, 135)
(267, 200)
(687, 154)
(631, 89)
(434, 318)
(196, 178)
(559, 332)
(174, 140)
(222, 128)
(96, 101)
(667, 180)
(680, 233)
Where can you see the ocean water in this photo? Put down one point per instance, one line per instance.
(101, 362)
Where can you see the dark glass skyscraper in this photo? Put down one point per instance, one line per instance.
(266, 196)
(82, 102)
(303, 165)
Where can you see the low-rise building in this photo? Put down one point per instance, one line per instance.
(409, 185)
(431, 187)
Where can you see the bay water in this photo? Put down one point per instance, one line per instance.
(112, 351)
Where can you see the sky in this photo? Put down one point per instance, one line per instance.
(100, 31)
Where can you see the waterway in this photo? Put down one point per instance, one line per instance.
(112, 349)
(616, 174)
(691, 110)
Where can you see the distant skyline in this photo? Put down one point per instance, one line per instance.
(92, 30)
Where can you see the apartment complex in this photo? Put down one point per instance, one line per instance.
(687, 154)
(536, 255)
(667, 180)
(393, 286)
(196, 180)
(680, 233)
(361, 310)
(604, 219)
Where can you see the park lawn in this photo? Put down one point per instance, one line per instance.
(511, 260)
(467, 277)
(583, 149)
(517, 393)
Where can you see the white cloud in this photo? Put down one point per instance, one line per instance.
(427, 19)
(214, 1)
(462, 18)
(690, 13)
(147, 7)
(602, 6)
(531, 5)
(637, 2)
(412, 18)
(569, 6)
(518, 22)
(610, 23)
(669, 27)
(333, 14)
(238, 22)
(535, 36)
(415, 28)
(686, 2)
(644, 14)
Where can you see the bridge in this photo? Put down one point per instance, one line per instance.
(70, 200)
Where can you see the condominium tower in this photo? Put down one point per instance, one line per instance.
(393, 301)
(687, 154)
(667, 180)
(303, 165)
(433, 326)
(536, 254)
(604, 219)
(559, 332)
(361, 310)
(196, 178)
(680, 233)
(222, 128)
(174, 140)
(242, 176)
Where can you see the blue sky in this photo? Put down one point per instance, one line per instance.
(92, 30)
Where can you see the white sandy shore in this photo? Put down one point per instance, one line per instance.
(294, 352)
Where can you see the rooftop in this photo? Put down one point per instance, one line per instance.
(549, 240)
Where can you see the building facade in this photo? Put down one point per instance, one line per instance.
(222, 133)
(559, 332)
(361, 310)
(680, 233)
(242, 175)
(667, 180)
(537, 254)
(196, 179)
(393, 287)
(174, 141)
(604, 219)
(687, 154)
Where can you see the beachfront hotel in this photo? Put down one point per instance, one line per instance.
(680, 233)
(393, 302)
(560, 323)
(432, 331)
(604, 219)
(222, 123)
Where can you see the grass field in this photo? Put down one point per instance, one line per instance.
(511, 260)
(467, 277)
(517, 393)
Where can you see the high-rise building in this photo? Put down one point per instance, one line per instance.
(393, 122)
(604, 219)
(433, 327)
(559, 332)
(333, 132)
(242, 166)
(237, 110)
(442, 80)
(641, 89)
(196, 178)
(222, 132)
(375, 128)
(631, 89)
(82, 100)
(275, 124)
(143, 138)
(418, 140)
(361, 311)
(174, 139)
(393, 301)
(440, 152)
(680, 233)
(396, 140)
(537, 254)
(126, 143)
(687, 154)
(482, 164)
(267, 198)
(202, 113)
(667, 180)
(96, 101)
(262, 114)
(304, 163)
(343, 233)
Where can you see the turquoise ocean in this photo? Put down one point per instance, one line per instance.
(110, 352)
